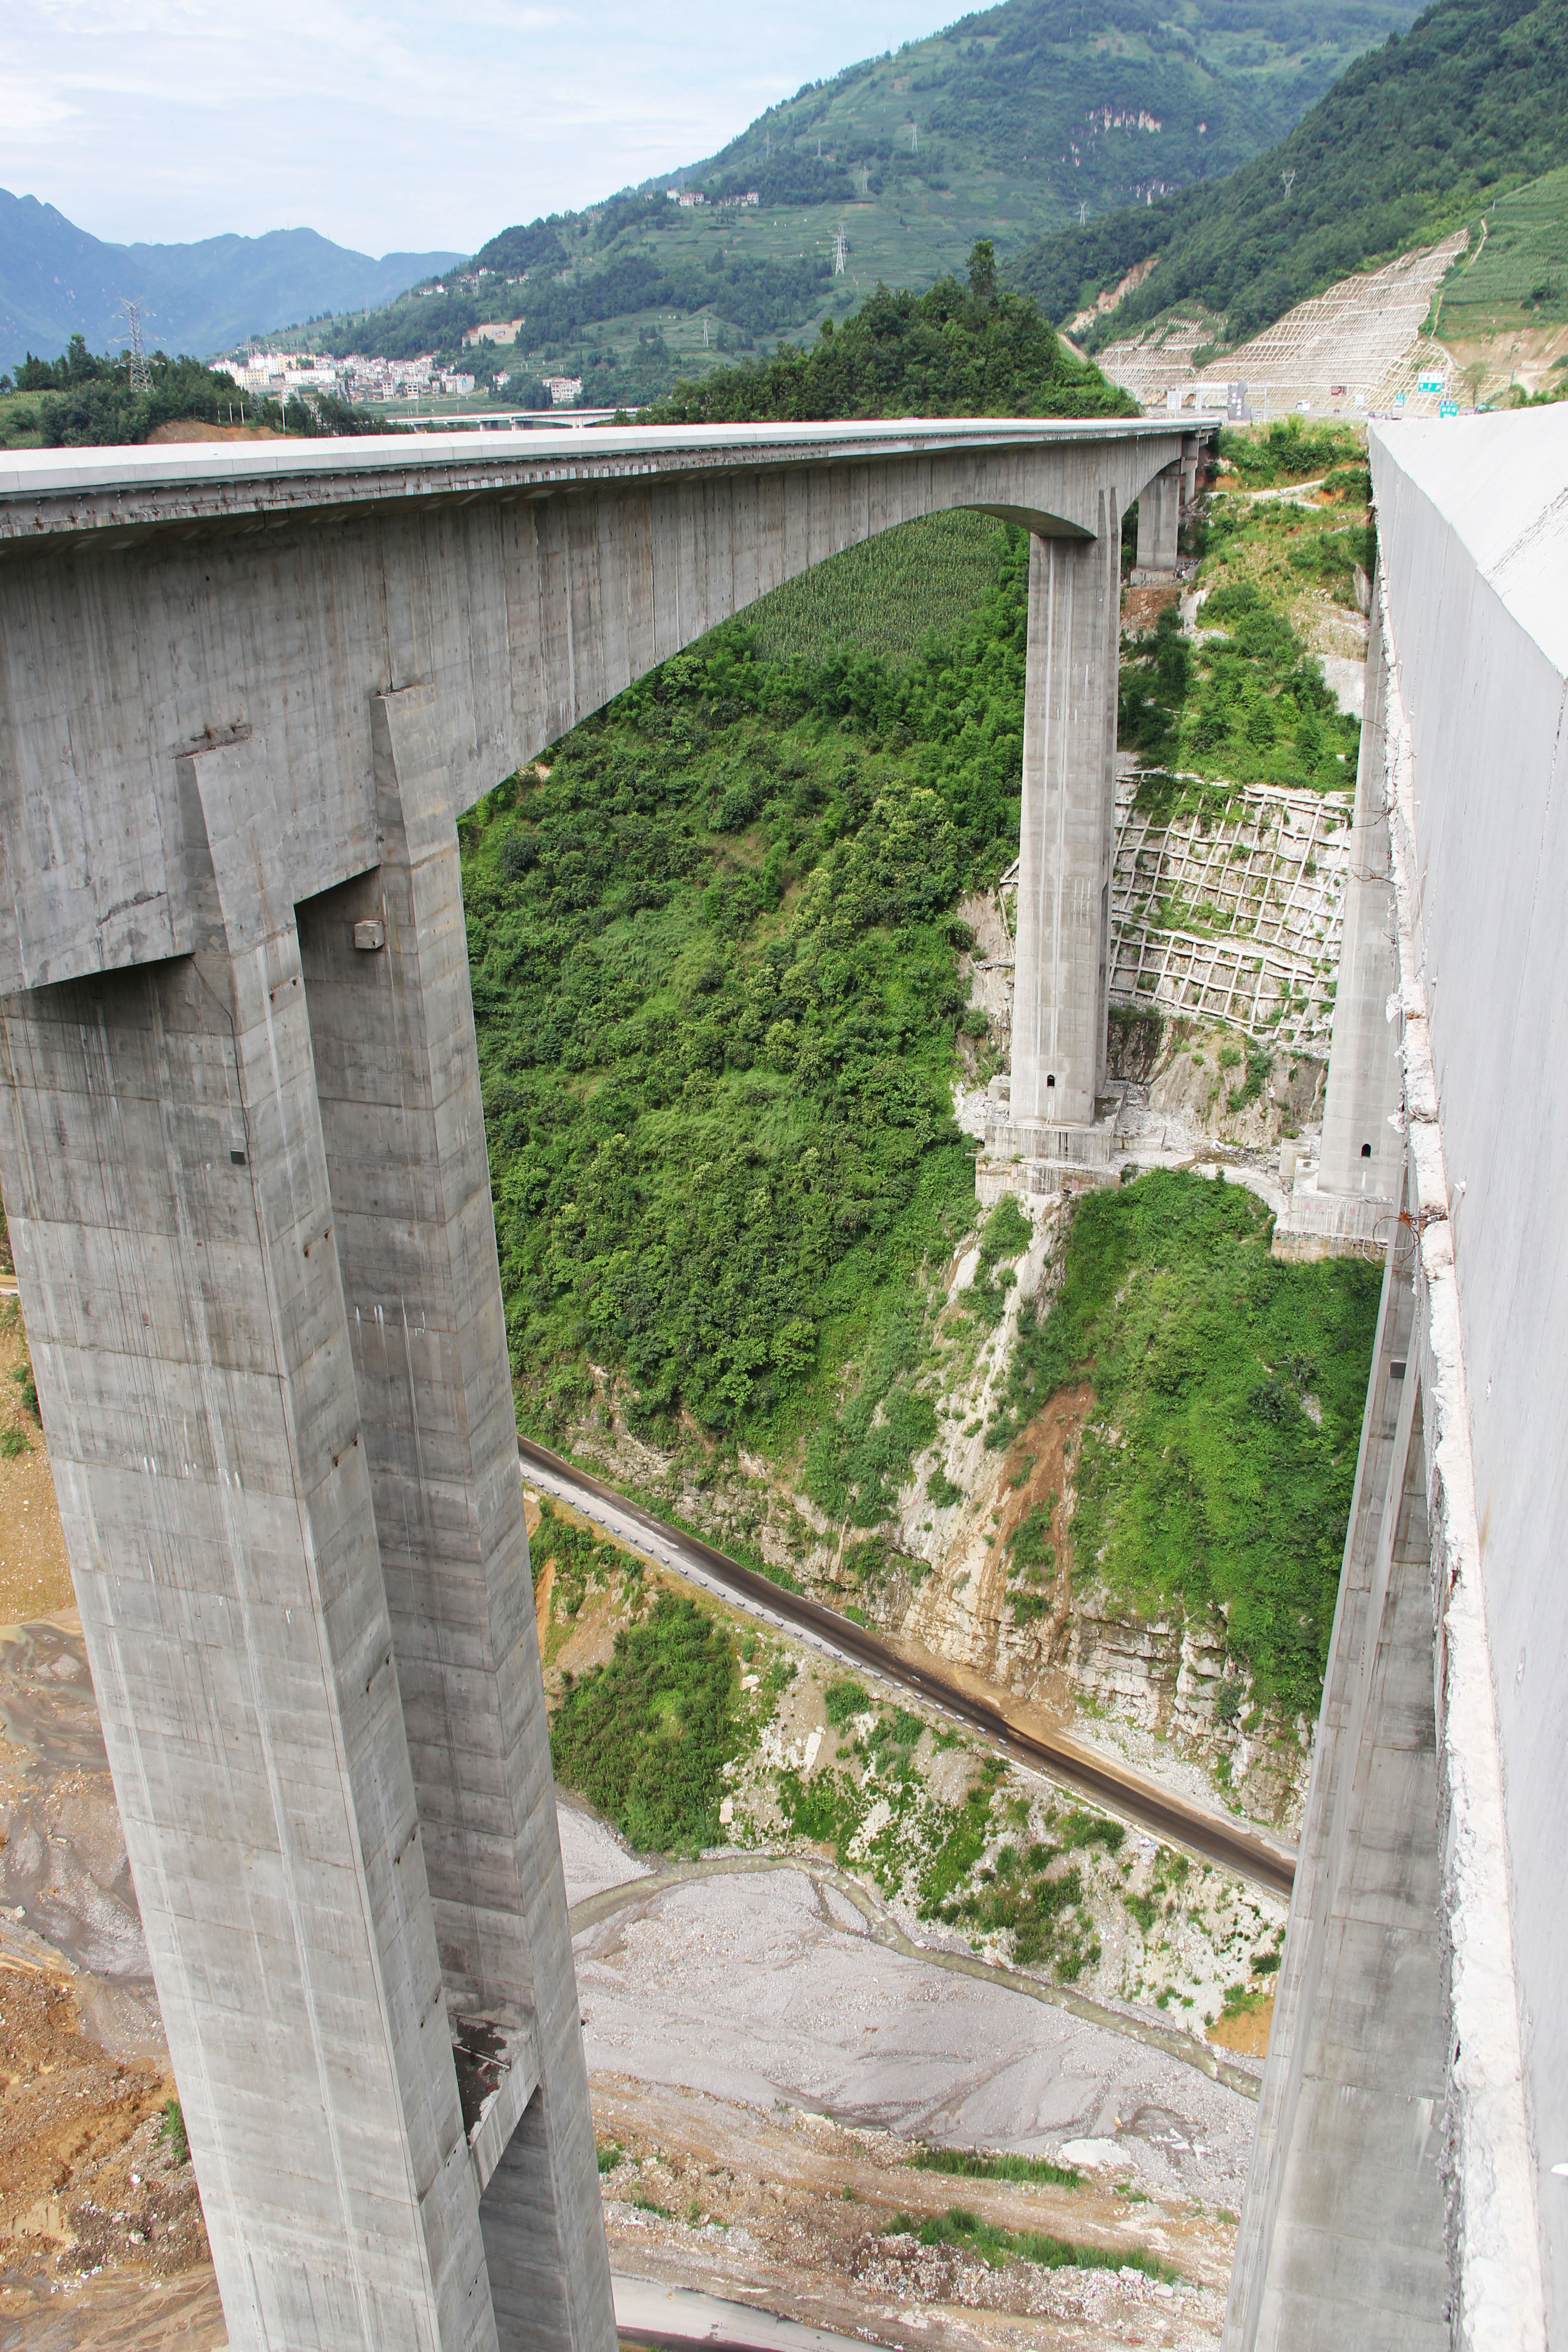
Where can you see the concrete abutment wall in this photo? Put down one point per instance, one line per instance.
(1410, 2181)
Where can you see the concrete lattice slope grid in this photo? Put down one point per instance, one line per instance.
(1264, 897)
(1359, 345)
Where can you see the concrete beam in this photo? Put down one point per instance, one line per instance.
(1362, 1146)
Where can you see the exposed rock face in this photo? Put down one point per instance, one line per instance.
(1191, 1084)
(1181, 1683)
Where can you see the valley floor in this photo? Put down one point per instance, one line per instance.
(765, 2066)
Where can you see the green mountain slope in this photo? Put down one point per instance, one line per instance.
(972, 350)
(1409, 142)
(1002, 126)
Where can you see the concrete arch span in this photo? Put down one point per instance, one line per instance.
(196, 597)
(243, 694)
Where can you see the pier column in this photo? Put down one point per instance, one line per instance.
(174, 1238)
(250, 1210)
(1068, 826)
(386, 976)
(1159, 519)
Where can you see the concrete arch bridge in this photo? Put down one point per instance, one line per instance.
(243, 693)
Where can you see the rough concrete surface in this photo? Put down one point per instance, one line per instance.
(242, 1144)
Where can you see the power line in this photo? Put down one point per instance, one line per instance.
(141, 373)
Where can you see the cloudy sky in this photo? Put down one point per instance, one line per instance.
(409, 126)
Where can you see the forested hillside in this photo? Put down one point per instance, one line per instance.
(716, 990)
(717, 954)
(1411, 142)
(1004, 126)
(958, 350)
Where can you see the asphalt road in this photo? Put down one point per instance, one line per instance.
(1248, 1853)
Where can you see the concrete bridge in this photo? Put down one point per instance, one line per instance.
(244, 694)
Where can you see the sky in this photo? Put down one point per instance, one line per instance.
(405, 126)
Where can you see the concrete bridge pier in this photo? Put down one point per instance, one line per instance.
(1067, 834)
(251, 1206)
(1159, 520)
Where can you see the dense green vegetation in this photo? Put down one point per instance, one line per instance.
(645, 1737)
(1411, 140)
(957, 350)
(714, 969)
(1228, 1395)
(580, 1557)
(889, 596)
(985, 2241)
(1248, 704)
(1516, 271)
(85, 398)
(969, 2164)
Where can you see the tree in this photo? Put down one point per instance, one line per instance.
(983, 273)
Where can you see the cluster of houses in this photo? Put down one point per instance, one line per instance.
(690, 198)
(278, 375)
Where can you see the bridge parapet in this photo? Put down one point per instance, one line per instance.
(1413, 2122)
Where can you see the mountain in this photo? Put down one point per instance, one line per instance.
(1001, 127)
(57, 281)
(954, 350)
(1411, 140)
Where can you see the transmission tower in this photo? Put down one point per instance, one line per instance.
(1287, 181)
(1082, 210)
(841, 251)
(140, 375)
(914, 139)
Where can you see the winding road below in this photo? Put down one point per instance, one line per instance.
(1235, 1845)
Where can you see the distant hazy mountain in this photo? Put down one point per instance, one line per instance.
(56, 282)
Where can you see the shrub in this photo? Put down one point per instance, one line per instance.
(645, 1736)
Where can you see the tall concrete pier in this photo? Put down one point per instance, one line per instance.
(243, 693)
(1410, 2183)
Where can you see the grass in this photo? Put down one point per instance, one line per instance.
(1517, 274)
(174, 2131)
(970, 2164)
(968, 2234)
(842, 1700)
(1220, 1490)
(581, 1559)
